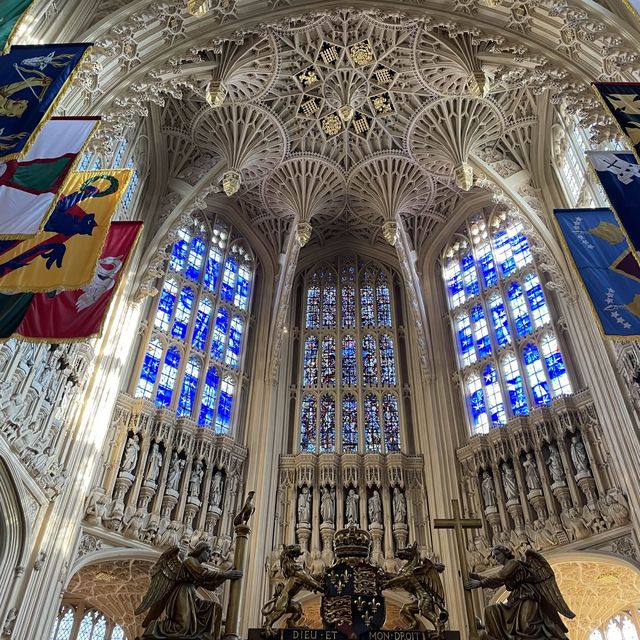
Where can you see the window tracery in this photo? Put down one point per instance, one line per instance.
(622, 626)
(508, 352)
(194, 355)
(82, 623)
(349, 381)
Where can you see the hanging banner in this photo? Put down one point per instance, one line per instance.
(28, 186)
(73, 315)
(64, 254)
(32, 80)
(608, 268)
(12, 12)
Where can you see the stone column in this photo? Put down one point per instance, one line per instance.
(232, 624)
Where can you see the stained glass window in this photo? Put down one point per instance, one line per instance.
(118, 633)
(535, 373)
(453, 280)
(92, 627)
(499, 320)
(465, 340)
(519, 309)
(64, 624)
(349, 350)
(487, 265)
(515, 386)
(469, 276)
(127, 198)
(202, 309)
(477, 404)
(537, 303)
(554, 362)
(480, 331)
(493, 394)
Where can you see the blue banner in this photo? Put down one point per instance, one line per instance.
(623, 100)
(619, 174)
(32, 79)
(608, 268)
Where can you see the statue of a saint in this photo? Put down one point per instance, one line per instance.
(304, 506)
(195, 480)
(327, 504)
(215, 498)
(488, 490)
(155, 462)
(556, 471)
(509, 481)
(579, 455)
(351, 509)
(614, 508)
(399, 506)
(131, 451)
(175, 472)
(375, 508)
(531, 476)
(534, 603)
(173, 588)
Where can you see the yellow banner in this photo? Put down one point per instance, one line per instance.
(65, 254)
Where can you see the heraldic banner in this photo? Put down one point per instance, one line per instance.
(32, 79)
(623, 100)
(65, 253)
(12, 11)
(619, 174)
(72, 315)
(607, 267)
(28, 186)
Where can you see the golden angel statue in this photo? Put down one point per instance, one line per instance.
(534, 604)
(173, 587)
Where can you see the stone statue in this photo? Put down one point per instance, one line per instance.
(195, 480)
(531, 476)
(304, 506)
(174, 583)
(42, 461)
(509, 481)
(614, 508)
(575, 524)
(579, 455)
(556, 471)
(328, 504)
(133, 524)
(539, 536)
(155, 463)
(295, 580)
(421, 578)
(96, 508)
(534, 603)
(175, 472)
(399, 506)
(215, 497)
(351, 510)
(488, 490)
(171, 535)
(131, 451)
(375, 508)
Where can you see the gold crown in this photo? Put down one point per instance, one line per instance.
(352, 542)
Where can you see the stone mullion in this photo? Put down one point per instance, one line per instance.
(139, 470)
(385, 491)
(601, 483)
(522, 487)
(500, 495)
(543, 472)
(569, 473)
(184, 489)
(204, 507)
(162, 482)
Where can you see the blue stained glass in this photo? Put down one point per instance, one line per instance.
(349, 360)
(225, 406)
(328, 361)
(500, 320)
(208, 403)
(520, 247)
(232, 356)
(367, 313)
(560, 383)
(196, 258)
(494, 395)
(455, 286)
(391, 422)
(168, 377)
(149, 373)
(229, 279)
(537, 302)
(515, 387)
(469, 276)
(519, 308)
(84, 163)
(183, 313)
(327, 423)
(313, 304)
(212, 271)
(165, 305)
(465, 339)
(535, 373)
(481, 331)
(220, 334)
(131, 188)
(349, 424)
(487, 265)
(308, 424)
(387, 360)
(504, 254)
(310, 368)
(242, 288)
(372, 430)
(383, 302)
(201, 327)
(179, 252)
(477, 406)
(369, 360)
(189, 388)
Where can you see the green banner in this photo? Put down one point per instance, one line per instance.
(10, 13)
(12, 309)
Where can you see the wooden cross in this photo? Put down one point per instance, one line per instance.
(459, 524)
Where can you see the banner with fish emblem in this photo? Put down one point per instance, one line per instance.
(623, 100)
(65, 253)
(32, 80)
(28, 186)
(12, 13)
(619, 174)
(607, 266)
(72, 315)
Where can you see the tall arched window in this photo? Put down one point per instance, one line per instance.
(193, 357)
(622, 626)
(348, 398)
(508, 352)
(80, 622)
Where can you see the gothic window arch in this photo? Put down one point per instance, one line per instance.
(80, 622)
(192, 358)
(348, 396)
(622, 626)
(507, 350)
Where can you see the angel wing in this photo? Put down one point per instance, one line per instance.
(545, 584)
(428, 575)
(164, 576)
